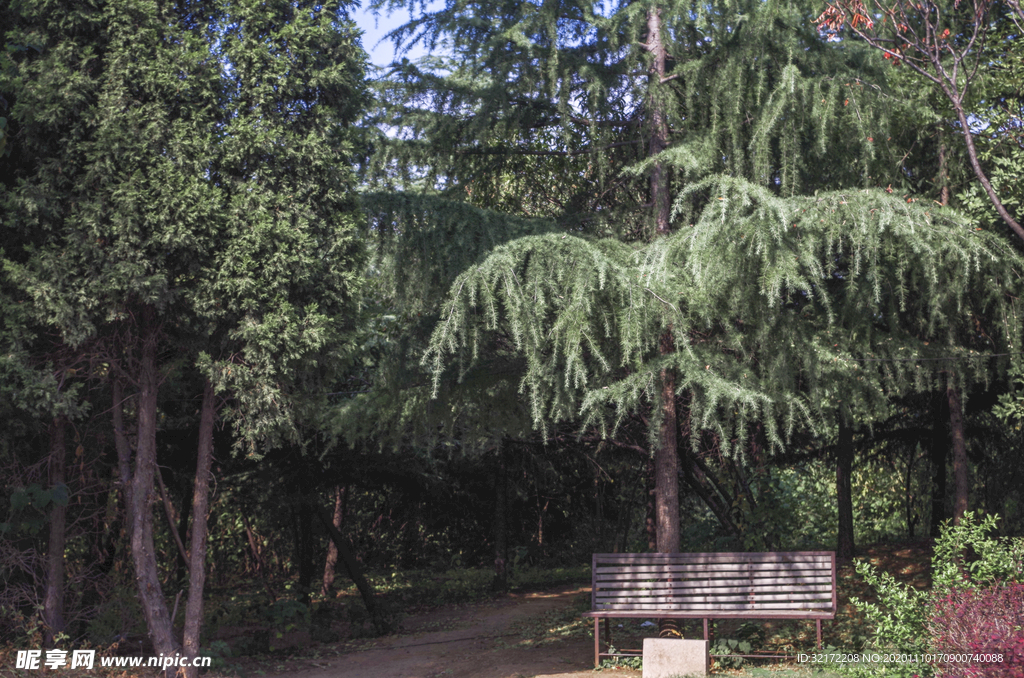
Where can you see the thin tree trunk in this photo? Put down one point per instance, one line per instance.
(844, 489)
(53, 600)
(908, 496)
(332, 549)
(186, 511)
(257, 557)
(124, 453)
(943, 169)
(499, 526)
(652, 501)
(956, 425)
(305, 551)
(200, 510)
(937, 458)
(972, 156)
(154, 606)
(348, 559)
(172, 519)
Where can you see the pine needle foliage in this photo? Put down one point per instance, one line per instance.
(191, 159)
(544, 106)
(781, 308)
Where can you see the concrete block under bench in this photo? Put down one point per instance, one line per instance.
(674, 658)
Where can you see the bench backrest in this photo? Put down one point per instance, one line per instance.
(796, 584)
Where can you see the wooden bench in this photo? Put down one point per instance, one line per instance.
(796, 585)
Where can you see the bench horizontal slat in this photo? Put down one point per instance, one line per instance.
(715, 614)
(716, 558)
(702, 596)
(755, 582)
(719, 570)
(664, 609)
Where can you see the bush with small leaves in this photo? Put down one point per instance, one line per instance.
(982, 626)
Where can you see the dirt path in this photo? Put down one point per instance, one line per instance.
(508, 638)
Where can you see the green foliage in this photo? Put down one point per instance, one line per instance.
(195, 162)
(780, 309)
(997, 104)
(635, 663)
(964, 556)
(728, 646)
(28, 506)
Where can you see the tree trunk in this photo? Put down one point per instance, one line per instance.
(154, 607)
(659, 121)
(348, 559)
(956, 425)
(844, 489)
(666, 462)
(499, 527)
(124, 453)
(666, 470)
(200, 510)
(172, 520)
(937, 458)
(305, 551)
(972, 156)
(186, 511)
(652, 502)
(53, 600)
(943, 169)
(332, 549)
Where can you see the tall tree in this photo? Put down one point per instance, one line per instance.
(648, 117)
(192, 193)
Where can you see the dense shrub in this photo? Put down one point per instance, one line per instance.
(969, 569)
(986, 621)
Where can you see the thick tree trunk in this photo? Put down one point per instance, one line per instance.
(956, 425)
(937, 455)
(666, 470)
(844, 489)
(659, 121)
(151, 597)
(499, 532)
(666, 461)
(53, 600)
(332, 549)
(200, 510)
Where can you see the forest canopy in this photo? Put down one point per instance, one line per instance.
(650, 276)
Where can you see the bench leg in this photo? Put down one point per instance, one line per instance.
(597, 643)
(819, 632)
